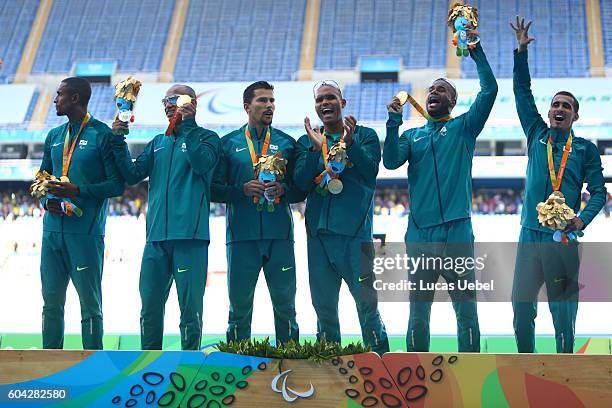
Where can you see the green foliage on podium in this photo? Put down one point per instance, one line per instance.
(318, 351)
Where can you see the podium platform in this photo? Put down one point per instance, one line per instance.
(36, 378)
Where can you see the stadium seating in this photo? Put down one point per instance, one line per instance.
(349, 29)
(16, 19)
(367, 101)
(606, 28)
(131, 33)
(100, 105)
(561, 46)
(241, 40)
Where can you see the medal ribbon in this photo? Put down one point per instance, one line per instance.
(324, 153)
(67, 155)
(556, 179)
(424, 113)
(254, 157)
(264, 149)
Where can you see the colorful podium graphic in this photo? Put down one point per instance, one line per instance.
(36, 378)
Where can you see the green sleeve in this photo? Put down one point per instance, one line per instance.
(113, 185)
(477, 115)
(531, 121)
(46, 164)
(396, 150)
(203, 147)
(307, 165)
(365, 155)
(292, 193)
(593, 174)
(220, 191)
(132, 171)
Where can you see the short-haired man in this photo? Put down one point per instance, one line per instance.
(73, 246)
(257, 237)
(179, 168)
(557, 161)
(339, 216)
(440, 157)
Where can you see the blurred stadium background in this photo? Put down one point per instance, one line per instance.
(373, 48)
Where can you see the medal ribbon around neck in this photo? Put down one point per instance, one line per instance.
(324, 153)
(67, 155)
(424, 113)
(556, 179)
(264, 149)
(254, 157)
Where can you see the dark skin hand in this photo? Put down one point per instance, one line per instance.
(253, 188)
(316, 138)
(395, 105)
(54, 207)
(188, 110)
(274, 189)
(314, 134)
(575, 224)
(119, 126)
(64, 190)
(349, 128)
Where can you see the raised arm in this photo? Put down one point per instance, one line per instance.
(203, 147)
(396, 150)
(531, 121)
(479, 112)
(364, 155)
(132, 171)
(308, 150)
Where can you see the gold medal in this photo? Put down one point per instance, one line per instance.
(183, 100)
(402, 96)
(335, 186)
(64, 179)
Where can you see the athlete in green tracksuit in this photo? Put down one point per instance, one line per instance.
(180, 168)
(72, 246)
(539, 259)
(440, 157)
(255, 238)
(339, 226)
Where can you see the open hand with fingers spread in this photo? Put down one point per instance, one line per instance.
(314, 134)
(522, 33)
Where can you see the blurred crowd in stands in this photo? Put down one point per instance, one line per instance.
(16, 201)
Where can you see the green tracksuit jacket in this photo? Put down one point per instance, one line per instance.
(583, 164)
(92, 168)
(180, 173)
(440, 155)
(244, 222)
(350, 212)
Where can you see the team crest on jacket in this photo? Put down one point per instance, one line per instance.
(184, 147)
(443, 131)
(82, 144)
(273, 147)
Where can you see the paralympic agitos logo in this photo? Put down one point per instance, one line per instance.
(288, 393)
